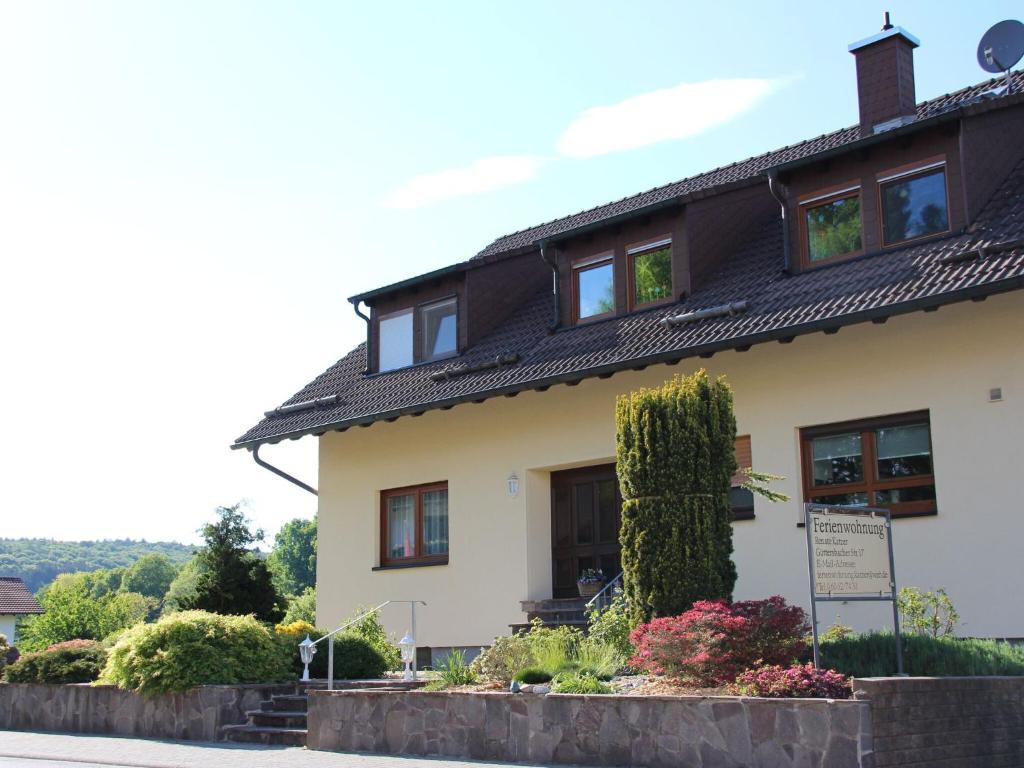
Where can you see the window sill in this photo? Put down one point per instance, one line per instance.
(400, 566)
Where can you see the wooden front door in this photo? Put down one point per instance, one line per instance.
(586, 510)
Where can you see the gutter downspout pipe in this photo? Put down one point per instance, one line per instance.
(369, 337)
(281, 473)
(556, 287)
(776, 189)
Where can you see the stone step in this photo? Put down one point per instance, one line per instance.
(256, 734)
(578, 623)
(292, 703)
(277, 719)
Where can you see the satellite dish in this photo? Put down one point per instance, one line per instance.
(1002, 46)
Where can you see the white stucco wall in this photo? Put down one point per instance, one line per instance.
(945, 362)
(7, 622)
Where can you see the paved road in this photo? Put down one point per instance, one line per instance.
(20, 749)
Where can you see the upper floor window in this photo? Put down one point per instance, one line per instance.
(440, 338)
(434, 325)
(650, 269)
(395, 335)
(884, 462)
(832, 225)
(914, 203)
(594, 287)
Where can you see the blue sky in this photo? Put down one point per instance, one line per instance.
(191, 189)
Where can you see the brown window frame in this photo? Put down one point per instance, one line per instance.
(824, 197)
(745, 512)
(905, 173)
(419, 558)
(871, 482)
(639, 249)
(583, 265)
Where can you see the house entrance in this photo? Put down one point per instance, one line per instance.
(586, 510)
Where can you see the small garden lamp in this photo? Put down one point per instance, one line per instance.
(407, 645)
(307, 649)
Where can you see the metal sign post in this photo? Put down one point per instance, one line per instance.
(849, 559)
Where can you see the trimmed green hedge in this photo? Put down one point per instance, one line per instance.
(75, 661)
(874, 655)
(191, 648)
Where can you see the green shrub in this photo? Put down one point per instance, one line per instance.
(301, 607)
(874, 655)
(191, 648)
(533, 675)
(370, 629)
(927, 613)
(455, 670)
(599, 659)
(612, 625)
(675, 458)
(5, 648)
(499, 662)
(575, 682)
(75, 661)
(553, 648)
(355, 657)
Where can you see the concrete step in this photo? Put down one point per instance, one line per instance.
(277, 719)
(256, 734)
(293, 703)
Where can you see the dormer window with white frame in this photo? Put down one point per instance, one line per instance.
(418, 334)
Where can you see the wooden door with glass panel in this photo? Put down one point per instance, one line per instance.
(586, 511)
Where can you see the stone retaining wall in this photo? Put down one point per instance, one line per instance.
(948, 722)
(596, 730)
(194, 715)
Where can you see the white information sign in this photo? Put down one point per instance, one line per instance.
(849, 553)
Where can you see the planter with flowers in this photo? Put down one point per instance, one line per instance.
(590, 582)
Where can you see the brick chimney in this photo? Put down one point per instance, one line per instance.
(885, 79)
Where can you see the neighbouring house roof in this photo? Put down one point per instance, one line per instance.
(522, 354)
(15, 597)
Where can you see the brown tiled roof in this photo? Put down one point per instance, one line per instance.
(922, 276)
(15, 597)
(743, 170)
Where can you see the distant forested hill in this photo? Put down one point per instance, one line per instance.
(38, 561)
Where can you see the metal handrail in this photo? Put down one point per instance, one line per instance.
(592, 603)
(329, 637)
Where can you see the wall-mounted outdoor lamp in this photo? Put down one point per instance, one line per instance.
(513, 485)
(407, 645)
(307, 649)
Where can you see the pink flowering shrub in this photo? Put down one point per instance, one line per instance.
(798, 681)
(73, 645)
(714, 641)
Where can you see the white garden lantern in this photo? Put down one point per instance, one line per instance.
(307, 649)
(407, 645)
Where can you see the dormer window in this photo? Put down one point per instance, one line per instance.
(594, 287)
(419, 334)
(440, 336)
(395, 340)
(650, 271)
(914, 203)
(832, 225)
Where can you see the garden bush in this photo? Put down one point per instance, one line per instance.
(927, 613)
(533, 675)
(577, 682)
(874, 655)
(455, 670)
(499, 662)
(800, 681)
(355, 657)
(611, 627)
(5, 650)
(74, 661)
(191, 648)
(675, 457)
(714, 641)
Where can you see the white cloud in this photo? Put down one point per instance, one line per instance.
(673, 113)
(481, 176)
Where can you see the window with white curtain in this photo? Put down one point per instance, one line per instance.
(414, 525)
